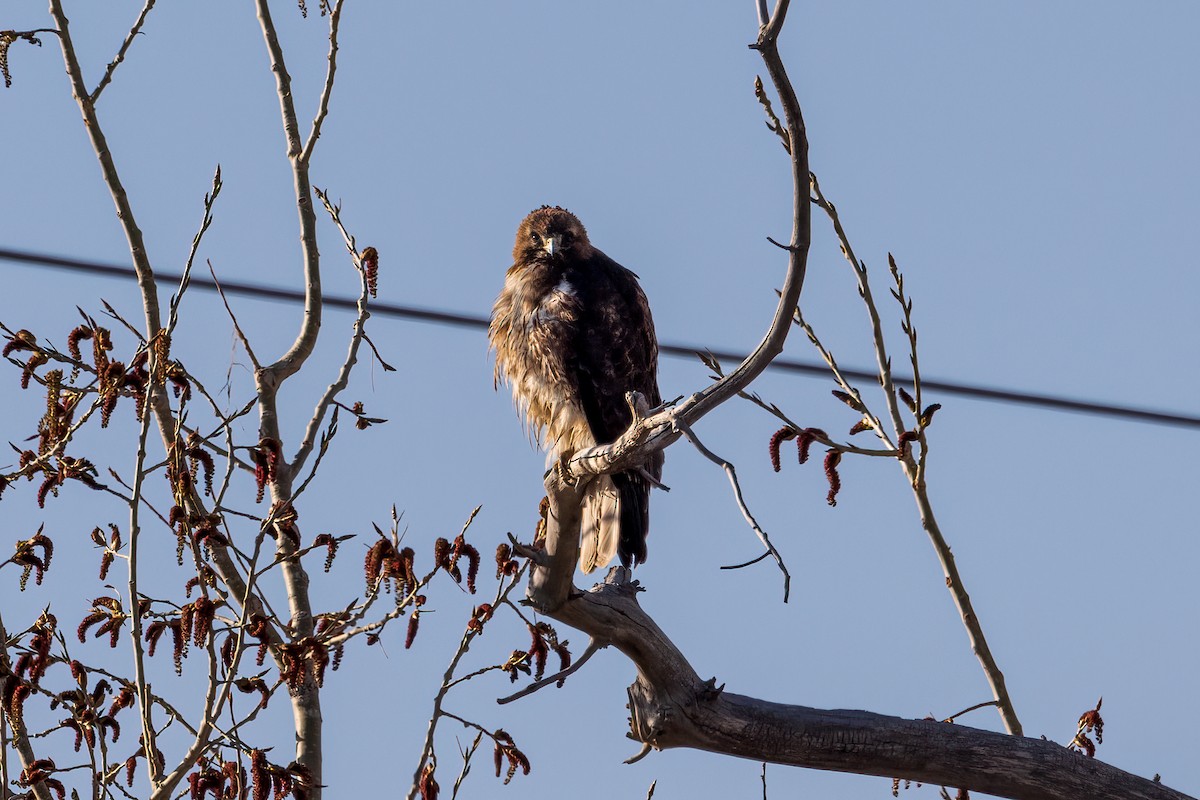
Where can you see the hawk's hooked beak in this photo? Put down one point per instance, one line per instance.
(553, 244)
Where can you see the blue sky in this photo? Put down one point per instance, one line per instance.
(1033, 168)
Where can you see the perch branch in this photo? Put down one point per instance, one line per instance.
(672, 707)
(661, 429)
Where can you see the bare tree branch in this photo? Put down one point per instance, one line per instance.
(112, 66)
(915, 474)
(335, 16)
(343, 377)
(731, 473)
(557, 677)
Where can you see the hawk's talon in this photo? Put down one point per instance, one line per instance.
(562, 471)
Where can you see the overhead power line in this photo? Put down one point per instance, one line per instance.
(1051, 402)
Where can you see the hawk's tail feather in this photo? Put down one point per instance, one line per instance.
(599, 524)
(634, 493)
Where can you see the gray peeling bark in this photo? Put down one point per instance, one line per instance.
(671, 706)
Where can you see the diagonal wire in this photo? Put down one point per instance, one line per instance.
(813, 368)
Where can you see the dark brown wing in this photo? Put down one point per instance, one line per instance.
(616, 351)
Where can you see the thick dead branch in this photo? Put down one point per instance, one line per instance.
(671, 706)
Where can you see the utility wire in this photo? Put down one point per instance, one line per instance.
(1051, 402)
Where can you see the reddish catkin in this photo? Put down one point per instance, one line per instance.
(564, 660)
(202, 458)
(110, 724)
(21, 340)
(320, 658)
(503, 554)
(405, 572)
(832, 457)
(36, 360)
(804, 442)
(187, 618)
(206, 611)
(154, 632)
(124, 699)
(179, 651)
(261, 775)
(927, 414)
(780, 436)
(15, 692)
(106, 561)
(228, 649)
(538, 651)
(473, 559)
(248, 685)
(370, 263)
(441, 554)
(260, 473)
(904, 443)
(414, 622)
(328, 541)
(89, 621)
(373, 563)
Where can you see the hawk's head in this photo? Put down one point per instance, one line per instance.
(550, 233)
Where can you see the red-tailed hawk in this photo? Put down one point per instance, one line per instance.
(572, 334)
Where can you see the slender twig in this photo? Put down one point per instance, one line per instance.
(233, 318)
(112, 66)
(335, 16)
(322, 449)
(466, 767)
(464, 644)
(915, 475)
(135, 533)
(731, 473)
(711, 362)
(591, 650)
(177, 299)
(359, 326)
(969, 709)
(910, 330)
(882, 360)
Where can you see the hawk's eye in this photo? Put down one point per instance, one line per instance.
(533, 237)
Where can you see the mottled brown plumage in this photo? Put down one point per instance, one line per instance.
(573, 333)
